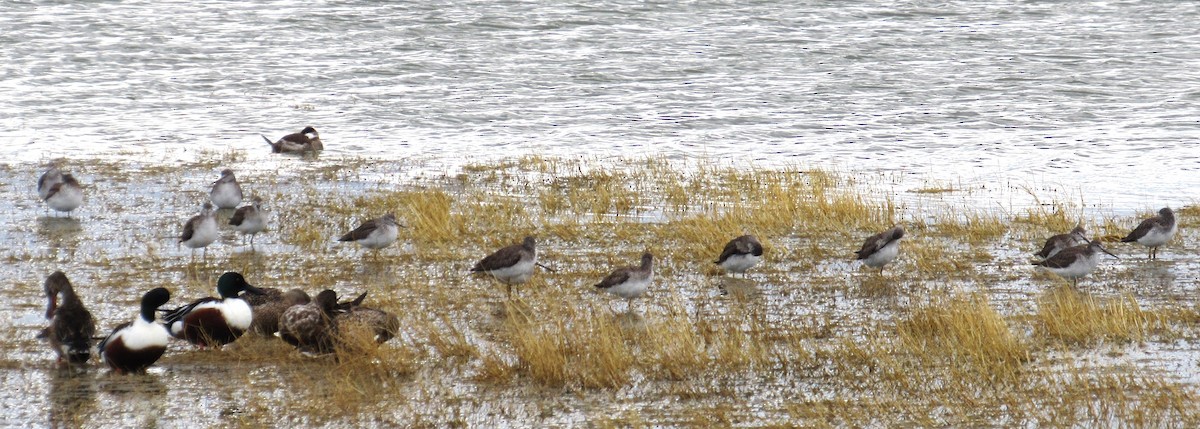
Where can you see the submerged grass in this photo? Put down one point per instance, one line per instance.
(949, 335)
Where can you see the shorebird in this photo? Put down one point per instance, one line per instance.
(306, 140)
(51, 177)
(66, 195)
(1074, 262)
(880, 249)
(268, 307)
(353, 314)
(214, 321)
(512, 264)
(71, 325)
(226, 192)
(375, 233)
(134, 346)
(200, 230)
(250, 220)
(630, 282)
(740, 254)
(311, 327)
(1059, 242)
(1155, 231)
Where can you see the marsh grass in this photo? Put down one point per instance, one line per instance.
(806, 338)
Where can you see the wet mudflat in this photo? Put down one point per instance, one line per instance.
(961, 330)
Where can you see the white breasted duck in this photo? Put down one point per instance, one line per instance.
(134, 346)
(740, 254)
(65, 196)
(214, 321)
(226, 192)
(71, 325)
(200, 230)
(375, 233)
(311, 327)
(307, 140)
(250, 220)
(511, 264)
(880, 249)
(1154, 232)
(630, 282)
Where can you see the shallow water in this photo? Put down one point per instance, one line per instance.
(1089, 97)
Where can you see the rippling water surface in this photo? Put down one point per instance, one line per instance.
(1095, 96)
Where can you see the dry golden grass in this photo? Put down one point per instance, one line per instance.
(1073, 317)
(967, 330)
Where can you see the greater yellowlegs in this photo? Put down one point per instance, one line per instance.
(630, 282)
(881, 249)
(250, 220)
(740, 254)
(1075, 262)
(1059, 242)
(512, 264)
(375, 233)
(1154, 232)
(226, 192)
(201, 230)
(65, 196)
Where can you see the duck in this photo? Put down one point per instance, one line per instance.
(65, 196)
(740, 254)
(353, 315)
(201, 230)
(226, 192)
(214, 322)
(375, 233)
(630, 282)
(880, 249)
(1154, 232)
(311, 327)
(1059, 242)
(250, 219)
(268, 307)
(133, 346)
(307, 140)
(71, 324)
(511, 264)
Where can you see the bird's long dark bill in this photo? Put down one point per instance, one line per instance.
(547, 268)
(1109, 253)
(254, 290)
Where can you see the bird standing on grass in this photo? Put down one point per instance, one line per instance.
(375, 233)
(1059, 242)
(740, 254)
(250, 220)
(881, 249)
(630, 282)
(1074, 262)
(226, 192)
(1154, 232)
(200, 231)
(511, 264)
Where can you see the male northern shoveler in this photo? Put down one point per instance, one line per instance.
(214, 321)
(134, 346)
(353, 315)
(307, 140)
(740, 254)
(71, 325)
(226, 192)
(311, 327)
(880, 249)
(269, 307)
(630, 282)
(1155, 231)
(511, 264)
